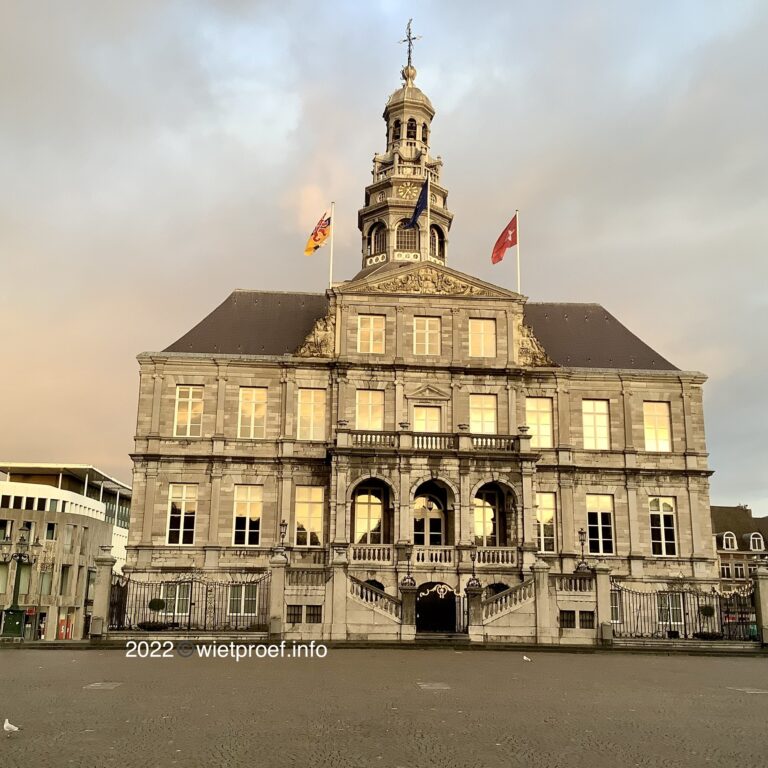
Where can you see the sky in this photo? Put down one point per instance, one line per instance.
(156, 155)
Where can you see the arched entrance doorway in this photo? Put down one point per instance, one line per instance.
(436, 606)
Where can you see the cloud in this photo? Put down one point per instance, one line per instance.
(156, 155)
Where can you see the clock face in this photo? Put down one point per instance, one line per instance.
(408, 190)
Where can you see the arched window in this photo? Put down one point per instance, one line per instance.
(756, 543)
(396, 131)
(377, 239)
(411, 129)
(407, 239)
(428, 522)
(424, 132)
(436, 243)
(369, 515)
(486, 512)
(729, 540)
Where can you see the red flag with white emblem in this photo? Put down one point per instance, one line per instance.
(507, 239)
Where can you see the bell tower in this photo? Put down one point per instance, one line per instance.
(398, 177)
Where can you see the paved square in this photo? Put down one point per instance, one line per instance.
(362, 708)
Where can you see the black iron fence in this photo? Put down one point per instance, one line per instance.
(674, 614)
(191, 605)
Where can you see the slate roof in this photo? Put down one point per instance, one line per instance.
(739, 521)
(274, 323)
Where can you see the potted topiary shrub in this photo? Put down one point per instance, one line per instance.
(155, 604)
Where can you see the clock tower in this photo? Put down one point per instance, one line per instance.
(398, 176)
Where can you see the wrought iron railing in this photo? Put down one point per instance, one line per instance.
(510, 598)
(375, 597)
(191, 604)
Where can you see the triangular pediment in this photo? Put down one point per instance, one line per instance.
(428, 392)
(424, 279)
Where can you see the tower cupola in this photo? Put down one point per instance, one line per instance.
(398, 177)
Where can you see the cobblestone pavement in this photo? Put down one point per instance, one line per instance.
(384, 708)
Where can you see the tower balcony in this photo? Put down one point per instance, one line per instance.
(381, 441)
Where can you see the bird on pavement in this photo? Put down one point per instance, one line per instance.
(9, 728)
(525, 658)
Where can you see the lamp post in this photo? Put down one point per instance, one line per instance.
(473, 581)
(408, 580)
(24, 554)
(582, 565)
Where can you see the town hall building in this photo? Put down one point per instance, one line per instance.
(414, 449)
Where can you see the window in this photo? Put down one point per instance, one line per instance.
(69, 534)
(410, 130)
(41, 505)
(617, 613)
(3, 578)
(29, 503)
(293, 614)
(407, 239)
(252, 413)
(428, 522)
(64, 580)
(426, 418)
(600, 524)
(729, 540)
(189, 412)
(369, 508)
(46, 582)
(6, 526)
(377, 238)
(538, 416)
(247, 527)
(752, 567)
(545, 522)
(596, 424)
(426, 335)
(663, 539)
(738, 570)
(725, 570)
(670, 605)
(657, 423)
(424, 132)
(314, 614)
(586, 619)
(5, 502)
(436, 242)
(482, 414)
(486, 509)
(482, 338)
(177, 598)
(567, 619)
(756, 543)
(83, 540)
(309, 515)
(243, 599)
(311, 414)
(370, 334)
(25, 574)
(369, 409)
(182, 507)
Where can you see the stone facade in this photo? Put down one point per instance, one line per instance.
(448, 465)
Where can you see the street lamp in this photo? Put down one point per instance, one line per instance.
(408, 580)
(473, 581)
(582, 565)
(24, 554)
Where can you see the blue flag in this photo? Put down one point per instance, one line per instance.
(421, 206)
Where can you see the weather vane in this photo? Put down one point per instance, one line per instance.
(410, 39)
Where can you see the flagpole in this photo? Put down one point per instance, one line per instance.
(517, 217)
(429, 234)
(330, 256)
